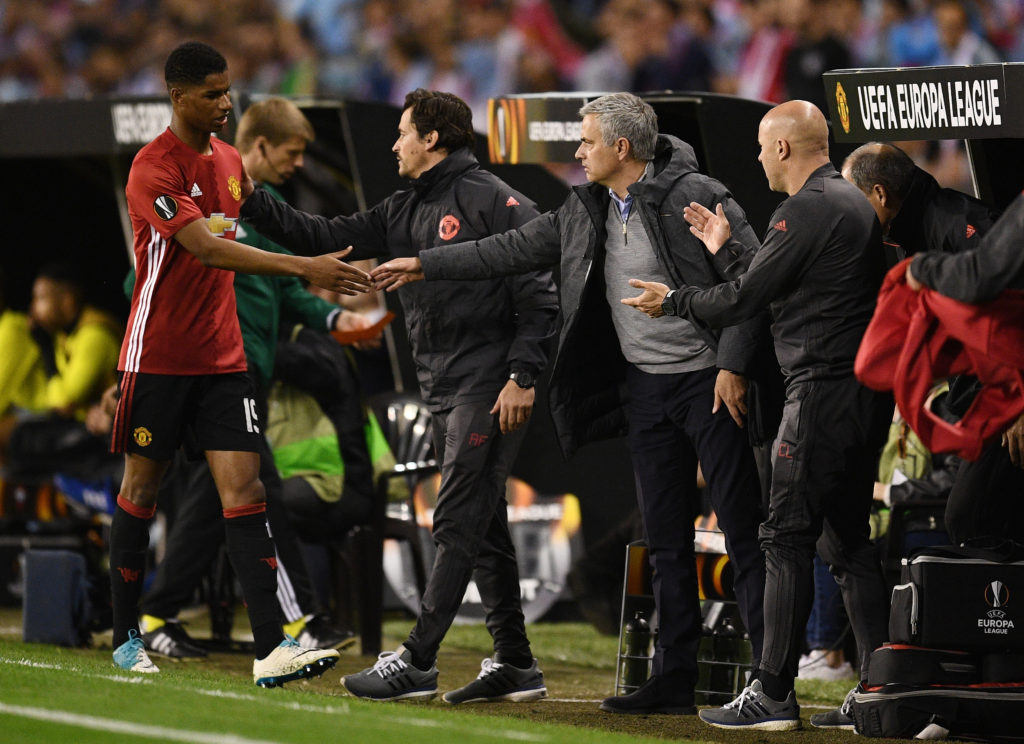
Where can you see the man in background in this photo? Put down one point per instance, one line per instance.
(915, 212)
(920, 217)
(56, 363)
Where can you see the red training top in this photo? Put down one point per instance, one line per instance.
(183, 319)
(916, 338)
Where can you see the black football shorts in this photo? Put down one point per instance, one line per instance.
(158, 413)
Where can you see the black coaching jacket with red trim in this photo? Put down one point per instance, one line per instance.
(466, 337)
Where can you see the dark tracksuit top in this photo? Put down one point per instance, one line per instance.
(466, 337)
(932, 218)
(980, 274)
(818, 270)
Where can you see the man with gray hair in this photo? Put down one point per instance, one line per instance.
(685, 390)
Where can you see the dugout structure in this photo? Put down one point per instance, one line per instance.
(980, 104)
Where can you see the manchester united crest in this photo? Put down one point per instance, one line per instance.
(449, 227)
(142, 436)
(843, 107)
(235, 188)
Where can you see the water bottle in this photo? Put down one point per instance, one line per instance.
(637, 639)
(724, 669)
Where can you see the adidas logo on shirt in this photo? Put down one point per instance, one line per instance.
(780, 225)
(512, 202)
(196, 191)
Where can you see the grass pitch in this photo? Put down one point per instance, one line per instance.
(52, 694)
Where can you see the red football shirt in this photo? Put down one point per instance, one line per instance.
(183, 319)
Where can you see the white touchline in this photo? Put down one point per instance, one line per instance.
(126, 727)
(338, 707)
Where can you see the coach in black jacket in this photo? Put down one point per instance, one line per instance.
(477, 347)
(666, 377)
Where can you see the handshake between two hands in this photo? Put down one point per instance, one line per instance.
(329, 271)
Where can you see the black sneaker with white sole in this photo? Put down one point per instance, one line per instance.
(837, 718)
(393, 677)
(171, 641)
(498, 681)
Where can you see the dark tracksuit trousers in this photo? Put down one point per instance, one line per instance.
(824, 465)
(671, 428)
(471, 532)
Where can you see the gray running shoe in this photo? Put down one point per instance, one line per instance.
(838, 718)
(755, 710)
(393, 677)
(498, 681)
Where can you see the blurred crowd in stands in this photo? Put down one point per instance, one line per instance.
(380, 49)
(772, 50)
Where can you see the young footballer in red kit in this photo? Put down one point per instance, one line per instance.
(182, 363)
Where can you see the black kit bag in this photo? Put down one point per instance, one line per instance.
(961, 598)
(56, 606)
(990, 712)
(914, 665)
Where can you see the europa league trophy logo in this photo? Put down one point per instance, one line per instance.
(996, 594)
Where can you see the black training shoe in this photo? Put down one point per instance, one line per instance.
(837, 718)
(320, 632)
(753, 709)
(498, 681)
(653, 696)
(172, 642)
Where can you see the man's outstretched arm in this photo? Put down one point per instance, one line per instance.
(327, 270)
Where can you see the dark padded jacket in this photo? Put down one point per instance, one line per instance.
(932, 218)
(585, 394)
(819, 269)
(983, 272)
(466, 337)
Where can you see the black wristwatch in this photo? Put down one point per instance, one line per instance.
(667, 306)
(524, 380)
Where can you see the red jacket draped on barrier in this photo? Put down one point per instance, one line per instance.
(918, 338)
